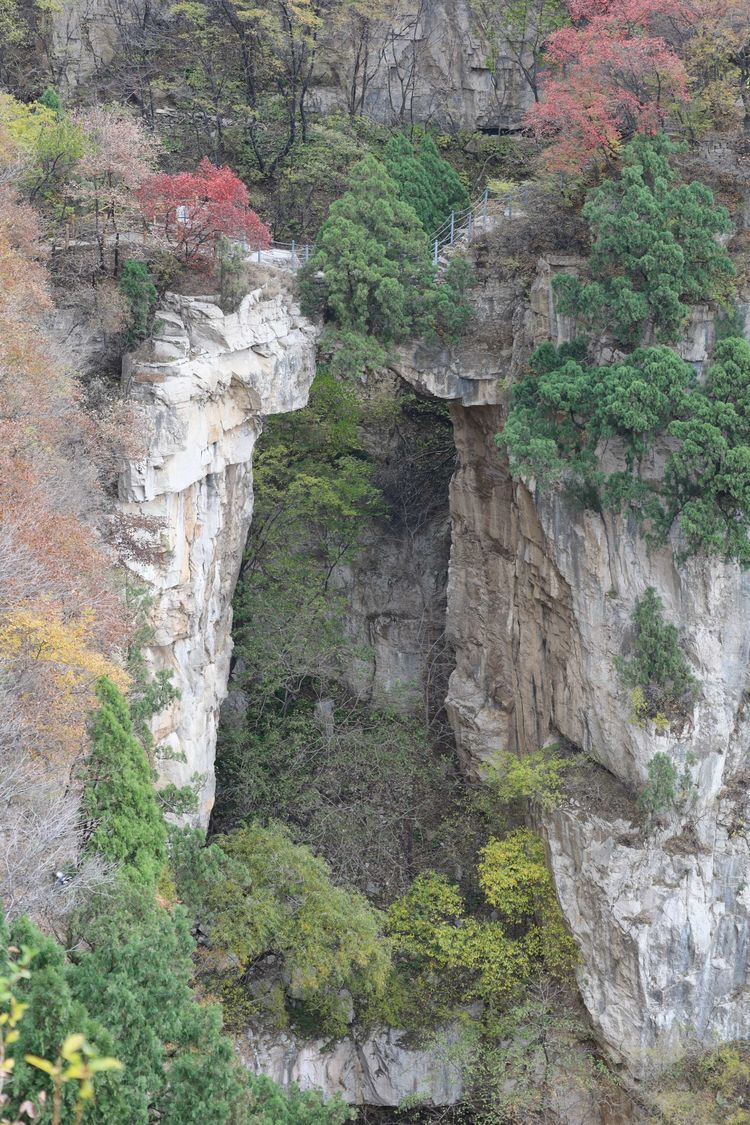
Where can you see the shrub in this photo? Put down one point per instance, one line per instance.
(275, 898)
(371, 275)
(425, 180)
(561, 413)
(658, 667)
(474, 956)
(517, 778)
(661, 791)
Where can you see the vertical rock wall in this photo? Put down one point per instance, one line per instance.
(540, 602)
(207, 380)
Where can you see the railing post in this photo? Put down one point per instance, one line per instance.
(259, 253)
(470, 227)
(307, 252)
(484, 204)
(453, 226)
(435, 253)
(294, 254)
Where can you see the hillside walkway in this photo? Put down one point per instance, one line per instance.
(459, 229)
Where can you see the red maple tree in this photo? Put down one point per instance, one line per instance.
(191, 209)
(613, 74)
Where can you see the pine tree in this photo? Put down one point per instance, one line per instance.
(448, 192)
(119, 792)
(414, 184)
(655, 249)
(134, 976)
(52, 1014)
(374, 258)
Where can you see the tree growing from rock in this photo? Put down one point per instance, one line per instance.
(655, 249)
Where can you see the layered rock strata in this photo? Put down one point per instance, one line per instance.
(206, 381)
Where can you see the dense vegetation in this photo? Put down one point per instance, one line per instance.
(371, 274)
(564, 413)
(125, 985)
(354, 877)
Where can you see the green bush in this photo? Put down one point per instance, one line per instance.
(538, 777)
(472, 955)
(707, 478)
(657, 666)
(661, 791)
(561, 413)
(265, 896)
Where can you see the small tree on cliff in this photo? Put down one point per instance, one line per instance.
(119, 792)
(192, 209)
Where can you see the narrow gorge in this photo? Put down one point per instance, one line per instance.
(375, 562)
(531, 609)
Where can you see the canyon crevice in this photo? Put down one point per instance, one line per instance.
(540, 597)
(540, 601)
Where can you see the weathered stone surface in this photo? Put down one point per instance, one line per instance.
(540, 602)
(206, 383)
(379, 1070)
(428, 63)
(431, 66)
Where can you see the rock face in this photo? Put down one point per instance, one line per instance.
(426, 63)
(378, 1071)
(540, 602)
(431, 66)
(207, 380)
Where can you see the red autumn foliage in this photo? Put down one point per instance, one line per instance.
(191, 209)
(614, 74)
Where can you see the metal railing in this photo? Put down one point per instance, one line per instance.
(283, 255)
(459, 227)
(462, 226)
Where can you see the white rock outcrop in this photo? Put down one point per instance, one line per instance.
(206, 381)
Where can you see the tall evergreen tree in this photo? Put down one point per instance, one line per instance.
(134, 976)
(374, 259)
(119, 792)
(425, 180)
(448, 193)
(414, 184)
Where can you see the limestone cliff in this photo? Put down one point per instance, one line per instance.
(427, 61)
(206, 380)
(540, 600)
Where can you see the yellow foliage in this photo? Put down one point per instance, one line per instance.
(55, 664)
